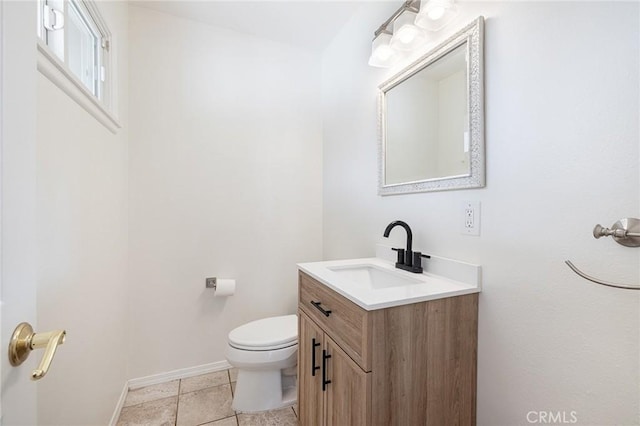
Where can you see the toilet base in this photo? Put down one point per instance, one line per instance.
(263, 390)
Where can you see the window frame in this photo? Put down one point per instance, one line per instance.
(52, 47)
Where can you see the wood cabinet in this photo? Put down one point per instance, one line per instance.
(328, 377)
(310, 394)
(406, 365)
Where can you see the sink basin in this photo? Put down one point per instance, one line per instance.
(375, 283)
(373, 277)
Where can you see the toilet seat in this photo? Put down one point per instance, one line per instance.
(266, 334)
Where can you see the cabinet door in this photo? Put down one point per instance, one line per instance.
(310, 343)
(348, 396)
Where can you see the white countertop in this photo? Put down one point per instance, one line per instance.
(426, 286)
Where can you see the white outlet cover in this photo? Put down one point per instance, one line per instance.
(474, 229)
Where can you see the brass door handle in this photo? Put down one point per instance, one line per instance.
(24, 340)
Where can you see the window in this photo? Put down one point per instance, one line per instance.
(83, 49)
(74, 38)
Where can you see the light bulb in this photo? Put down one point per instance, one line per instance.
(382, 55)
(436, 13)
(406, 36)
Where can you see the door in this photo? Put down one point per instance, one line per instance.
(348, 396)
(17, 203)
(310, 343)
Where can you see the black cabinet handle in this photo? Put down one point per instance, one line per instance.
(314, 345)
(317, 305)
(325, 382)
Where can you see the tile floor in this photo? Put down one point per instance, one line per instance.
(200, 400)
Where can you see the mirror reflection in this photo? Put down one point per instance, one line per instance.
(427, 127)
(431, 119)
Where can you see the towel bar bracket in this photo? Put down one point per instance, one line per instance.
(625, 231)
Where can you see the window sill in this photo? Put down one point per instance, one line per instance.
(52, 68)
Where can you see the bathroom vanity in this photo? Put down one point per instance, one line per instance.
(379, 346)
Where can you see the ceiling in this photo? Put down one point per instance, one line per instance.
(307, 24)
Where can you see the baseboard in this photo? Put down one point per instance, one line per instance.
(119, 405)
(178, 374)
(155, 379)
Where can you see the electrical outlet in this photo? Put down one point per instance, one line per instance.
(471, 218)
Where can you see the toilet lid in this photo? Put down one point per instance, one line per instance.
(266, 334)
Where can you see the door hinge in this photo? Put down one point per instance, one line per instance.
(53, 19)
(106, 45)
(103, 74)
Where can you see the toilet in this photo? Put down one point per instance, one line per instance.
(265, 352)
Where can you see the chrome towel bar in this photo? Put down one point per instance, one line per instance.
(598, 281)
(625, 232)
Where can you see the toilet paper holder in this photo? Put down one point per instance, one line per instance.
(222, 287)
(211, 282)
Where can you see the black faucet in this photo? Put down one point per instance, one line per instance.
(407, 259)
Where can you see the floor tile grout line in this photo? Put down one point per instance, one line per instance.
(179, 394)
(154, 399)
(217, 420)
(178, 401)
(147, 402)
(187, 393)
(208, 387)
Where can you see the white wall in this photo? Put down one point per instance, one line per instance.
(562, 155)
(82, 247)
(225, 180)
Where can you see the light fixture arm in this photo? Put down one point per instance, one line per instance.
(411, 5)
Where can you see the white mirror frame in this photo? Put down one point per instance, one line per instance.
(473, 35)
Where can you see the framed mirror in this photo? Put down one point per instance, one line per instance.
(431, 119)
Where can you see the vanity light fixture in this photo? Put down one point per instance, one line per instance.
(436, 14)
(403, 31)
(406, 36)
(382, 54)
